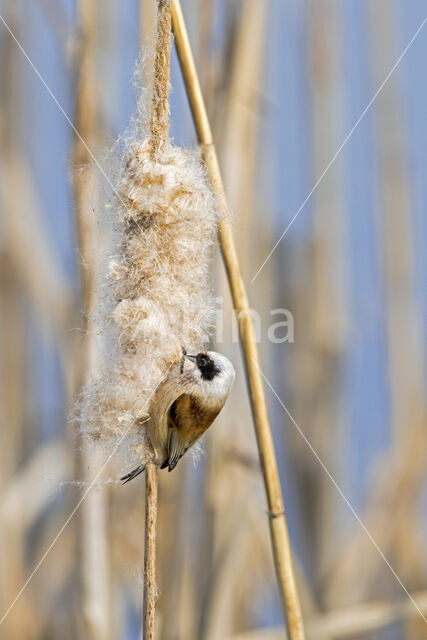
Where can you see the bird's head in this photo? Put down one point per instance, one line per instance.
(213, 370)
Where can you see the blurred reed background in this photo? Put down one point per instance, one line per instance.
(285, 81)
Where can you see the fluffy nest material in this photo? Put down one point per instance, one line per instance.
(157, 296)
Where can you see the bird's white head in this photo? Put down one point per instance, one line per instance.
(213, 376)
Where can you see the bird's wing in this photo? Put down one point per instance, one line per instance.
(157, 428)
(187, 421)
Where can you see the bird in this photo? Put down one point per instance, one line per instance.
(184, 406)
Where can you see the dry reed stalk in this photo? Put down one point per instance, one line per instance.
(85, 120)
(147, 21)
(26, 244)
(172, 552)
(323, 312)
(13, 529)
(277, 520)
(228, 564)
(94, 571)
(151, 496)
(19, 291)
(238, 153)
(159, 126)
(148, 18)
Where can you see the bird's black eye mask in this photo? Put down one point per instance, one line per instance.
(207, 366)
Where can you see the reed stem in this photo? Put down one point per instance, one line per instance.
(159, 125)
(277, 520)
(95, 612)
(149, 598)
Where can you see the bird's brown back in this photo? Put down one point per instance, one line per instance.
(190, 418)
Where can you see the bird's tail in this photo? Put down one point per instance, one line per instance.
(132, 474)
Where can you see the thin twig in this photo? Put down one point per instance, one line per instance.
(278, 526)
(151, 486)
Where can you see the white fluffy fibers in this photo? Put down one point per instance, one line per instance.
(157, 299)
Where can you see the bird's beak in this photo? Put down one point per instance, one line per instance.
(192, 358)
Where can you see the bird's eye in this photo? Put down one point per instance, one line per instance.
(202, 360)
